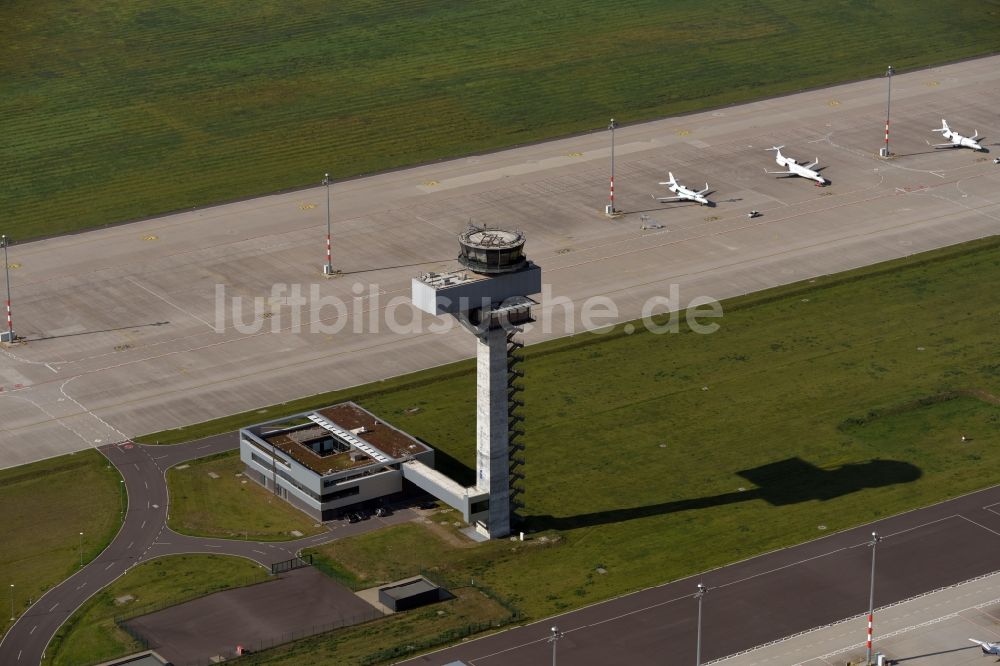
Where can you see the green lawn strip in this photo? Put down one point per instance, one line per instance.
(464, 370)
(231, 506)
(91, 633)
(471, 611)
(401, 551)
(128, 109)
(46, 506)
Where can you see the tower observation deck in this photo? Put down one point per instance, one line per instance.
(490, 298)
(492, 251)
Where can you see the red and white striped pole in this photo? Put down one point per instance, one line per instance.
(611, 205)
(6, 267)
(871, 599)
(888, 102)
(869, 644)
(328, 268)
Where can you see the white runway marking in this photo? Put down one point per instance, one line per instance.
(980, 525)
(168, 302)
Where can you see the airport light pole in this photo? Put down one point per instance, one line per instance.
(9, 336)
(328, 268)
(81, 550)
(888, 101)
(121, 496)
(699, 595)
(611, 210)
(554, 638)
(871, 598)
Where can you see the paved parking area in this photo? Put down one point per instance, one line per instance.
(300, 603)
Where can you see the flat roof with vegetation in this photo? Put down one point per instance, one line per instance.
(294, 434)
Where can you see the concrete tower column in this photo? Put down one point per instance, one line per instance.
(492, 463)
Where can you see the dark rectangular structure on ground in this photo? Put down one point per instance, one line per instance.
(414, 594)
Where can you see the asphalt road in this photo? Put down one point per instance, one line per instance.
(764, 598)
(144, 536)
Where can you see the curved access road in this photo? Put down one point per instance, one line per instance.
(144, 535)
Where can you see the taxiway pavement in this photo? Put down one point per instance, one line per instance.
(131, 329)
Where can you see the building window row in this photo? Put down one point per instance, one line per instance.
(328, 497)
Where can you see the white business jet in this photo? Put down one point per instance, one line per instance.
(794, 168)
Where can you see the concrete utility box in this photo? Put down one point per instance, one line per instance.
(412, 594)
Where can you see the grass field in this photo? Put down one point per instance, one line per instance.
(46, 506)
(118, 110)
(226, 506)
(91, 635)
(830, 403)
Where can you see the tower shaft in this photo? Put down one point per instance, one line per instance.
(492, 441)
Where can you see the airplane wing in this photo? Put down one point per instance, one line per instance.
(666, 199)
(811, 165)
(989, 648)
(941, 145)
(704, 191)
(787, 173)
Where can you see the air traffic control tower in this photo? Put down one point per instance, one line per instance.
(490, 298)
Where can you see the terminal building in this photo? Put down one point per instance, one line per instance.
(325, 460)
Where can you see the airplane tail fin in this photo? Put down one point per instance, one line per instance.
(775, 148)
(944, 126)
(670, 178)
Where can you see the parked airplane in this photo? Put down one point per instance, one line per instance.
(794, 168)
(956, 140)
(684, 193)
(988, 648)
